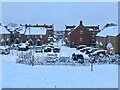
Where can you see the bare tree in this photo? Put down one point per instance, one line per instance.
(109, 25)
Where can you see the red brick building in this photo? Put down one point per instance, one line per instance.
(37, 33)
(82, 35)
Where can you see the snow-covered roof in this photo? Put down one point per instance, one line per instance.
(22, 45)
(69, 29)
(50, 37)
(4, 47)
(99, 51)
(36, 31)
(3, 30)
(109, 31)
(2, 40)
(8, 39)
(97, 42)
(90, 29)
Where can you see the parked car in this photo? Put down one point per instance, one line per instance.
(85, 49)
(56, 49)
(38, 49)
(14, 46)
(4, 50)
(98, 52)
(47, 49)
(23, 47)
(91, 50)
(78, 57)
(80, 47)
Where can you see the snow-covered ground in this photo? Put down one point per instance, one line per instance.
(16, 75)
(0, 72)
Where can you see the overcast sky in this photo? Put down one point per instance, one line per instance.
(60, 14)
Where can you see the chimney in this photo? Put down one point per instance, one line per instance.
(81, 23)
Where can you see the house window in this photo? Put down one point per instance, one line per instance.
(93, 39)
(41, 36)
(35, 36)
(93, 36)
(81, 32)
(93, 32)
(81, 39)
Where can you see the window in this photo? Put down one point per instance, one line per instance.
(33, 36)
(40, 36)
(93, 32)
(93, 39)
(81, 32)
(81, 39)
(36, 36)
(93, 36)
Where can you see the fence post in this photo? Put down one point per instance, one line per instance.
(32, 60)
(92, 63)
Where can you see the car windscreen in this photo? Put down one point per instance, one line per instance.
(47, 50)
(56, 50)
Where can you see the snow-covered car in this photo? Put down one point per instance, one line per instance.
(52, 52)
(56, 49)
(85, 49)
(78, 57)
(47, 49)
(38, 49)
(80, 47)
(91, 50)
(14, 46)
(99, 52)
(4, 50)
(23, 47)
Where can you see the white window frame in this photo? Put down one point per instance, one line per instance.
(81, 32)
(81, 39)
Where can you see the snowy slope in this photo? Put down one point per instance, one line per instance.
(25, 76)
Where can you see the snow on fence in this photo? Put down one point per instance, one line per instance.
(41, 60)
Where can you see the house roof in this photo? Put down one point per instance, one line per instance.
(109, 31)
(92, 27)
(36, 31)
(80, 26)
(69, 26)
(3, 30)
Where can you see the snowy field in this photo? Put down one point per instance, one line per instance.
(50, 76)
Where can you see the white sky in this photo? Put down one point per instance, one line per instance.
(60, 13)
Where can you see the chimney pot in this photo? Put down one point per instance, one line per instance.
(81, 23)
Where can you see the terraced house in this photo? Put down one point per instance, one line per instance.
(27, 33)
(37, 34)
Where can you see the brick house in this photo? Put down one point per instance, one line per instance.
(28, 33)
(37, 33)
(109, 39)
(82, 35)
